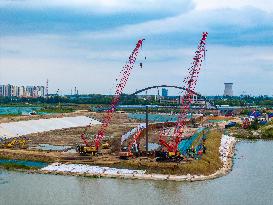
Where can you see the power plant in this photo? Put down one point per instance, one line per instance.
(228, 89)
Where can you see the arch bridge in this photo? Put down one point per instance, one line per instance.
(198, 95)
(163, 86)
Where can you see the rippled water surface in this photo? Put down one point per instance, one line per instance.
(250, 182)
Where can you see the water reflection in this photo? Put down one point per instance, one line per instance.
(250, 182)
(3, 178)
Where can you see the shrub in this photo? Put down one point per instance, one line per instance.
(267, 131)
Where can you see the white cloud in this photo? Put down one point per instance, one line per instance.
(142, 5)
(215, 21)
(106, 6)
(94, 71)
(79, 60)
(161, 26)
(265, 5)
(245, 66)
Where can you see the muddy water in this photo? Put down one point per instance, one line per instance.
(250, 182)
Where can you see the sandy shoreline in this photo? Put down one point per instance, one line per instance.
(227, 151)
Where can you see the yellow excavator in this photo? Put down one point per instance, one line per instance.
(84, 150)
(91, 149)
(20, 143)
(105, 145)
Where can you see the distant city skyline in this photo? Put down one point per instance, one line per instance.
(22, 91)
(85, 44)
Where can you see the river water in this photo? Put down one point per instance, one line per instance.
(17, 110)
(250, 182)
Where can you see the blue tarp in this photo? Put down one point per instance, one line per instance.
(255, 114)
(184, 145)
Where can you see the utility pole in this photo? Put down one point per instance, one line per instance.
(147, 130)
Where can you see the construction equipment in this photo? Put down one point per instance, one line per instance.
(20, 143)
(86, 150)
(230, 124)
(187, 99)
(246, 123)
(105, 145)
(125, 73)
(125, 153)
(132, 148)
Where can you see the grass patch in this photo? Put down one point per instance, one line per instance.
(244, 133)
(267, 132)
(264, 132)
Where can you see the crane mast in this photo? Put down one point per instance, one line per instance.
(190, 82)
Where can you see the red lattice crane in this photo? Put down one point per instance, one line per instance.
(125, 73)
(187, 96)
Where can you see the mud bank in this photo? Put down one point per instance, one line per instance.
(226, 153)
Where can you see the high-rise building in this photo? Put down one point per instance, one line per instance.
(2, 90)
(14, 91)
(228, 89)
(42, 91)
(22, 91)
(164, 92)
(39, 91)
(8, 90)
(29, 91)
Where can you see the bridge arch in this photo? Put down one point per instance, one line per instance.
(163, 86)
(177, 87)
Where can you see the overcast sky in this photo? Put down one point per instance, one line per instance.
(85, 43)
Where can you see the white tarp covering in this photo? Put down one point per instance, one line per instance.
(81, 168)
(21, 128)
(132, 132)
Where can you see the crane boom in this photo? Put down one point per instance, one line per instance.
(126, 71)
(187, 99)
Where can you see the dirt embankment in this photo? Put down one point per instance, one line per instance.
(54, 156)
(30, 155)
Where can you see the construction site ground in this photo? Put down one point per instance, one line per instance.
(121, 124)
